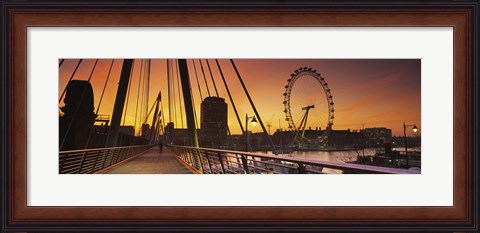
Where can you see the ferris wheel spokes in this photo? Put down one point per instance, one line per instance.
(306, 96)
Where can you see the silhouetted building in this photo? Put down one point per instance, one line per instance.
(213, 122)
(377, 136)
(345, 139)
(146, 131)
(411, 141)
(127, 130)
(176, 136)
(126, 136)
(78, 116)
(169, 132)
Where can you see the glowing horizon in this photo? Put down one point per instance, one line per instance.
(366, 92)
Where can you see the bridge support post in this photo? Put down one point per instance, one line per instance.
(119, 103)
(245, 164)
(188, 103)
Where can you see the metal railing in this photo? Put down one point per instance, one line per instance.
(215, 161)
(93, 160)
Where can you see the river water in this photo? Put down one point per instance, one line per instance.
(333, 156)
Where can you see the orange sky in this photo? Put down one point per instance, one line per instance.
(366, 92)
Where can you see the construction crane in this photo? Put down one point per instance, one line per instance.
(269, 124)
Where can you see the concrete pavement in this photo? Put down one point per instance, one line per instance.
(153, 161)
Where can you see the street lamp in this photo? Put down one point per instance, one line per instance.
(414, 129)
(254, 122)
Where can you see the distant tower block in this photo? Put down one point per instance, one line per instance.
(213, 121)
(146, 131)
(78, 116)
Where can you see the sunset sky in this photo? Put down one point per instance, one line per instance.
(366, 92)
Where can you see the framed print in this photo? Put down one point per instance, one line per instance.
(250, 116)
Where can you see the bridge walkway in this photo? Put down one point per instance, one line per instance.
(152, 161)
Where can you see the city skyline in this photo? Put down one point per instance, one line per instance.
(366, 92)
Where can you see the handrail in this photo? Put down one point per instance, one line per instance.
(94, 149)
(93, 160)
(256, 163)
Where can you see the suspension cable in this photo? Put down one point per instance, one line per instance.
(138, 94)
(269, 140)
(61, 62)
(230, 97)
(168, 85)
(128, 92)
(173, 94)
(98, 107)
(233, 104)
(179, 96)
(142, 102)
(71, 77)
(148, 84)
(196, 77)
(204, 77)
(78, 107)
(163, 121)
(149, 112)
(104, 87)
(211, 75)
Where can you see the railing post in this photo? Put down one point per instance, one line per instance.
(221, 162)
(238, 160)
(199, 159)
(81, 162)
(114, 158)
(60, 169)
(187, 156)
(301, 168)
(208, 161)
(95, 163)
(105, 157)
(255, 170)
(245, 164)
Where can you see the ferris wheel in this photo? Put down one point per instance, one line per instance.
(308, 103)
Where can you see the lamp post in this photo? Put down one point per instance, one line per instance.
(254, 122)
(415, 129)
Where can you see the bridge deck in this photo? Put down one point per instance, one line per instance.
(153, 161)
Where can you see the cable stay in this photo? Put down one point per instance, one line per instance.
(78, 106)
(128, 93)
(274, 150)
(230, 97)
(148, 85)
(174, 97)
(163, 122)
(104, 87)
(179, 95)
(138, 94)
(99, 104)
(233, 105)
(211, 75)
(168, 87)
(149, 112)
(142, 102)
(71, 77)
(204, 77)
(155, 115)
(196, 77)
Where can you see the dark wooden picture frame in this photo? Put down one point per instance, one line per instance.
(463, 16)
